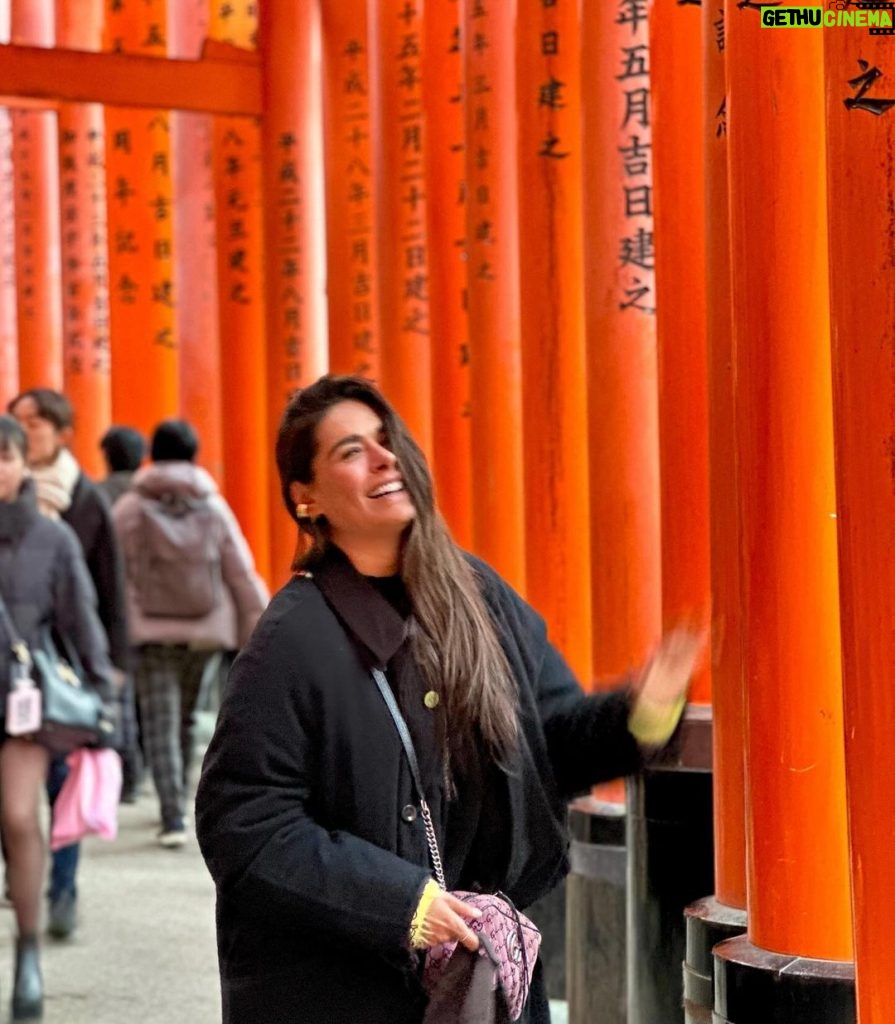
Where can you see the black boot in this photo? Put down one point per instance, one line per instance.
(28, 993)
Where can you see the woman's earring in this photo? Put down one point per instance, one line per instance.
(303, 511)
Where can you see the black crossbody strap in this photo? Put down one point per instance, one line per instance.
(410, 751)
(16, 643)
(401, 726)
(7, 622)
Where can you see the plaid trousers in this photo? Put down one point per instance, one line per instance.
(170, 679)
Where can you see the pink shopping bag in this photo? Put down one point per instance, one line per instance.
(88, 801)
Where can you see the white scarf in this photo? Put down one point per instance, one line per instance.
(55, 483)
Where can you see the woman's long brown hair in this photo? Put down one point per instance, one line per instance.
(453, 636)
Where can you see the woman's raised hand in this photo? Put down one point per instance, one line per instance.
(666, 676)
(446, 920)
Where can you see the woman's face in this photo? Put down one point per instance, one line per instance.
(12, 472)
(44, 440)
(356, 483)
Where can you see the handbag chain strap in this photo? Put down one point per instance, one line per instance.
(407, 743)
(17, 644)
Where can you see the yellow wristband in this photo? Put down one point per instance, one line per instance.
(418, 921)
(652, 724)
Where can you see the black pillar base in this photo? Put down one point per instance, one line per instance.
(708, 922)
(753, 986)
(670, 864)
(595, 913)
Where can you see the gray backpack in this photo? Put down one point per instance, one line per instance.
(179, 559)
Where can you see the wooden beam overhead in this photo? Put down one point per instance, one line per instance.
(226, 80)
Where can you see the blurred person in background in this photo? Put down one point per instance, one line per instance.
(45, 586)
(192, 592)
(123, 449)
(63, 491)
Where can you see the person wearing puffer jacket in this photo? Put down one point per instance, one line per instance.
(192, 592)
(45, 586)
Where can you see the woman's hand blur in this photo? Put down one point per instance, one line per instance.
(666, 677)
(446, 920)
(660, 693)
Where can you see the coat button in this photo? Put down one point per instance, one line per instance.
(431, 699)
(408, 813)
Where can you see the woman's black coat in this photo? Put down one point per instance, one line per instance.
(305, 809)
(46, 586)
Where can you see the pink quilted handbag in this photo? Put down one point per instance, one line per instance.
(513, 938)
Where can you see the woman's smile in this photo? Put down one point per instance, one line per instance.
(357, 485)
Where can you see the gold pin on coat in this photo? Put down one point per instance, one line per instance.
(431, 700)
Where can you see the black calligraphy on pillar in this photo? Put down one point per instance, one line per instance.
(636, 107)
(551, 91)
(359, 197)
(288, 199)
(633, 13)
(721, 119)
(161, 294)
(863, 83)
(483, 269)
(719, 27)
(7, 228)
(456, 154)
(235, 153)
(237, 23)
(414, 305)
(634, 62)
(636, 253)
(72, 228)
(100, 353)
(25, 198)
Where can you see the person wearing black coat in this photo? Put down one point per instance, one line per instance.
(65, 492)
(306, 811)
(45, 587)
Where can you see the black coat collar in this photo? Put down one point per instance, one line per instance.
(359, 605)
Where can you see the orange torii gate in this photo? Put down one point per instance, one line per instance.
(222, 82)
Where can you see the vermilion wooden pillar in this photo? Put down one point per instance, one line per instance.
(9, 356)
(553, 358)
(713, 918)
(444, 160)
(245, 398)
(798, 881)
(195, 264)
(860, 110)
(141, 245)
(679, 182)
(294, 235)
(37, 256)
(396, 71)
(351, 288)
(85, 271)
(726, 643)
(623, 443)
(492, 241)
(619, 262)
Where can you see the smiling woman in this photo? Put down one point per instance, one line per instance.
(320, 843)
(357, 488)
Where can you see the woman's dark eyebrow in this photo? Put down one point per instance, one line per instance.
(351, 439)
